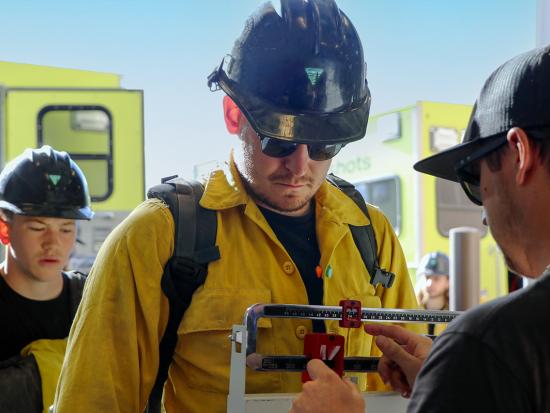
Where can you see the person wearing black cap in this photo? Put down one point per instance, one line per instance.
(296, 93)
(495, 357)
(42, 193)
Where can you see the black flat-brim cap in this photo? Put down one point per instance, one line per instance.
(517, 94)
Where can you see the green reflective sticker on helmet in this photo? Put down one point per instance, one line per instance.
(313, 74)
(54, 179)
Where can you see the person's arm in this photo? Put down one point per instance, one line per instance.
(112, 353)
(404, 353)
(327, 393)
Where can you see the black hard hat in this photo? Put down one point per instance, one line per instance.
(45, 182)
(299, 76)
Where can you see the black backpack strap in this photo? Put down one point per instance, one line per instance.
(20, 385)
(194, 247)
(76, 287)
(363, 236)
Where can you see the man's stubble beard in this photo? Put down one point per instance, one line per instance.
(262, 199)
(248, 177)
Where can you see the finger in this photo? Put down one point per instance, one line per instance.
(299, 402)
(406, 388)
(395, 352)
(394, 377)
(399, 383)
(295, 406)
(316, 369)
(397, 333)
(385, 366)
(395, 381)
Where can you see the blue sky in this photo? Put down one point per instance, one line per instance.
(438, 50)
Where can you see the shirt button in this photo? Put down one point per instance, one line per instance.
(301, 332)
(288, 267)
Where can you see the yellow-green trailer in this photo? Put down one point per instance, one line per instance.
(90, 116)
(421, 208)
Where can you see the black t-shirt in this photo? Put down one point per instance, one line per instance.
(23, 320)
(298, 236)
(495, 358)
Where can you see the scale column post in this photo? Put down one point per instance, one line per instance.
(237, 373)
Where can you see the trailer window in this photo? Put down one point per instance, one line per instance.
(85, 132)
(454, 209)
(384, 193)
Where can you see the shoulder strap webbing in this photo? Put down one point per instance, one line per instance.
(76, 287)
(21, 385)
(363, 236)
(194, 247)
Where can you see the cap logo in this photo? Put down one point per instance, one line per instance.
(313, 74)
(54, 179)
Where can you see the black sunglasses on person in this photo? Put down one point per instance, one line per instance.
(278, 148)
(468, 169)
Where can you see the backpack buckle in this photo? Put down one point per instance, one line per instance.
(383, 277)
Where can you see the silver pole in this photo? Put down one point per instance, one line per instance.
(464, 268)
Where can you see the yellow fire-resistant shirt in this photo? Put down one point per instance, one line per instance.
(112, 355)
(49, 355)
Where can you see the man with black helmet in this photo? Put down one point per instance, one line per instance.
(42, 193)
(296, 94)
(496, 357)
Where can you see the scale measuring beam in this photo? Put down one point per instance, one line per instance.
(297, 362)
(243, 350)
(319, 312)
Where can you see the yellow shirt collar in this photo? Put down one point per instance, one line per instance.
(224, 189)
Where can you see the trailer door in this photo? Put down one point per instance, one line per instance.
(102, 130)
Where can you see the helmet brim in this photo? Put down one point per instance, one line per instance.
(303, 127)
(45, 211)
(431, 273)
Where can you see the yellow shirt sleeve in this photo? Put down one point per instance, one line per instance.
(112, 352)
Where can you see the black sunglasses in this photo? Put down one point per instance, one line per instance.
(468, 169)
(278, 148)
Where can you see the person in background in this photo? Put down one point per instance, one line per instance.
(296, 93)
(433, 287)
(495, 357)
(42, 194)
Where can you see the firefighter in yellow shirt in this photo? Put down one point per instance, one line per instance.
(296, 93)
